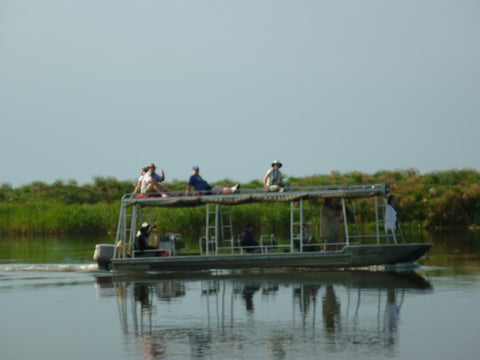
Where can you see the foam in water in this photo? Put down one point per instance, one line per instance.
(50, 267)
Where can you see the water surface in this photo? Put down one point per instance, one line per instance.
(57, 305)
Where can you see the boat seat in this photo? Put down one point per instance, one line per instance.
(171, 243)
(144, 196)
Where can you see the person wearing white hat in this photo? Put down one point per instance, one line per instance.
(151, 181)
(141, 239)
(273, 180)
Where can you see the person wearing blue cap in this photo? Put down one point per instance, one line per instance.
(201, 186)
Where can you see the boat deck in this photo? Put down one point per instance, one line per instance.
(247, 196)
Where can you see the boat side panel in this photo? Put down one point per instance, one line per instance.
(353, 256)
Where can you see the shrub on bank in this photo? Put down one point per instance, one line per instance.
(448, 199)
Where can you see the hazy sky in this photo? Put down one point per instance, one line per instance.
(104, 87)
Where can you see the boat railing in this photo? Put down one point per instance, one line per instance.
(266, 244)
(219, 238)
(379, 239)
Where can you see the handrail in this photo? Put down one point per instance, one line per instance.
(211, 243)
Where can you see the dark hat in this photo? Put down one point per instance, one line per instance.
(196, 168)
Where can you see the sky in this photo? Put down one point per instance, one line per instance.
(101, 88)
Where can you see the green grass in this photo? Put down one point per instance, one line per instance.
(439, 200)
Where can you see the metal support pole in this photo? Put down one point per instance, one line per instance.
(291, 226)
(354, 217)
(300, 240)
(133, 228)
(345, 222)
(376, 220)
(207, 228)
(217, 211)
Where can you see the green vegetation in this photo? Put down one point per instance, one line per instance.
(447, 199)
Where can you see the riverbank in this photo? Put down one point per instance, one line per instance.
(441, 200)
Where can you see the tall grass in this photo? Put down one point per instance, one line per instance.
(448, 199)
(51, 218)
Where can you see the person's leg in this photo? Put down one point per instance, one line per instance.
(147, 189)
(328, 241)
(221, 190)
(390, 236)
(159, 189)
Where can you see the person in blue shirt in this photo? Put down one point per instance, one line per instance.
(201, 186)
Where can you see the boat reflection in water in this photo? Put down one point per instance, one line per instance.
(262, 314)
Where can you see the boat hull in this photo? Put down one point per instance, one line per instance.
(349, 256)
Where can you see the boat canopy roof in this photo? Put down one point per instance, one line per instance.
(248, 196)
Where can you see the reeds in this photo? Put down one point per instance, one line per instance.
(449, 199)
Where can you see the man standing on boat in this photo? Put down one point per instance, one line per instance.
(391, 219)
(329, 222)
(201, 186)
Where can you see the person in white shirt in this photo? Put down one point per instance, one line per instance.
(151, 182)
(391, 215)
(273, 179)
(140, 179)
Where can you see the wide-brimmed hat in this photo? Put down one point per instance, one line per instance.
(276, 162)
(152, 165)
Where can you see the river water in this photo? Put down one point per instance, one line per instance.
(55, 304)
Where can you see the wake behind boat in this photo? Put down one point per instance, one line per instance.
(221, 249)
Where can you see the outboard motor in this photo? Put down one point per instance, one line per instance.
(103, 256)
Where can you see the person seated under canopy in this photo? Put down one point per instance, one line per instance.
(141, 240)
(247, 240)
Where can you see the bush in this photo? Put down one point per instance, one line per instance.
(448, 199)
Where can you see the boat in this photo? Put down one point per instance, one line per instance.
(221, 249)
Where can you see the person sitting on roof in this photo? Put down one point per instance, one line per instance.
(273, 180)
(141, 240)
(201, 186)
(151, 182)
(247, 240)
(140, 180)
